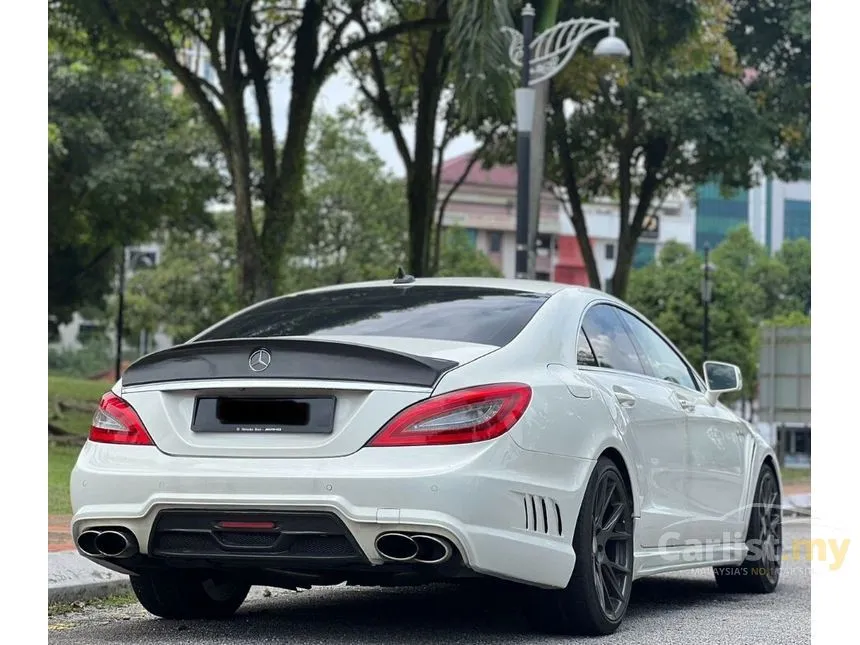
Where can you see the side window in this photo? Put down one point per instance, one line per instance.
(665, 362)
(584, 353)
(610, 341)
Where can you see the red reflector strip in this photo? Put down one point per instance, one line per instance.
(246, 525)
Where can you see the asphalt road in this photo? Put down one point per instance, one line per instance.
(671, 608)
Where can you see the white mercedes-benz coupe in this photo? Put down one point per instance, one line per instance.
(412, 431)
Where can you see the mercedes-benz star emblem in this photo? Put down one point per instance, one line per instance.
(259, 360)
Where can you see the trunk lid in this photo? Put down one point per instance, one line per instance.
(369, 378)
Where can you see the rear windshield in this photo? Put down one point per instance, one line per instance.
(468, 314)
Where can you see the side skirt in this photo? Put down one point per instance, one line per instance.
(651, 561)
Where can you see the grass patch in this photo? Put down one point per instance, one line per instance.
(61, 460)
(63, 608)
(72, 401)
(796, 475)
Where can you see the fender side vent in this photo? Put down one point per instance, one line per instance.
(542, 514)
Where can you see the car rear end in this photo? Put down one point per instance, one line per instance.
(311, 440)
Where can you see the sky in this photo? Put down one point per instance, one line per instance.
(339, 90)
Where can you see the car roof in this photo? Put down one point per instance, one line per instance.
(532, 286)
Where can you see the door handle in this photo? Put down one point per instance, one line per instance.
(626, 399)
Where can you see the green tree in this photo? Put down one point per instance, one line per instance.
(668, 293)
(247, 43)
(459, 74)
(459, 258)
(123, 159)
(773, 41)
(796, 257)
(679, 114)
(407, 86)
(191, 288)
(352, 227)
(761, 278)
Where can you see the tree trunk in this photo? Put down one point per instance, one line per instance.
(248, 256)
(577, 214)
(286, 198)
(656, 151)
(247, 247)
(420, 190)
(623, 264)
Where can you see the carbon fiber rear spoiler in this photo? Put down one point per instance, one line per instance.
(284, 358)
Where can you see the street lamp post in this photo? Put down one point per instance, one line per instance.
(525, 105)
(541, 58)
(707, 295)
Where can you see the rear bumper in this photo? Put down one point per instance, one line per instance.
(510, 513)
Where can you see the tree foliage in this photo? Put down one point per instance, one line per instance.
(773, 38)
(352, 227)
(796, 256)
(751, 287)
(686, 108)
(123, 158)
(668, 293)
(408, 85)
(246, 43)
(191, 288)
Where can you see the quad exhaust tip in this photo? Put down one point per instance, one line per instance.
(87, 543)
(420, 548)
(108, 543)
(432, 550)
(397, 547)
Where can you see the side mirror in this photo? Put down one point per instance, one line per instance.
(721, 378)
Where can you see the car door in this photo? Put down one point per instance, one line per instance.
(651, 422)
(716, 444)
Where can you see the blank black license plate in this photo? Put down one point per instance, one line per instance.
(305, 415)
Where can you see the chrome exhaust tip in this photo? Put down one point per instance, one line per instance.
(115, 544)
(87, 542)
(397, 547)
(432, 549)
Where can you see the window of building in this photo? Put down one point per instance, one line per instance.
(542, 275)
(644, 254)
(718, 214)
(472, 234)
(89, 332)
(495, 241)
(796, 220)
(543, 242)
(610, 340)
(610, 252)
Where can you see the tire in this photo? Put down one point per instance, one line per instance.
(181, 596)
(595, 599)
(759, 572)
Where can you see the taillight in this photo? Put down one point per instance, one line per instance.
(462, 416)
(116, 422)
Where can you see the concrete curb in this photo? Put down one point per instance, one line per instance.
(71, 578)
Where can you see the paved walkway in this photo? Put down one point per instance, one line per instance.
(60, 539)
